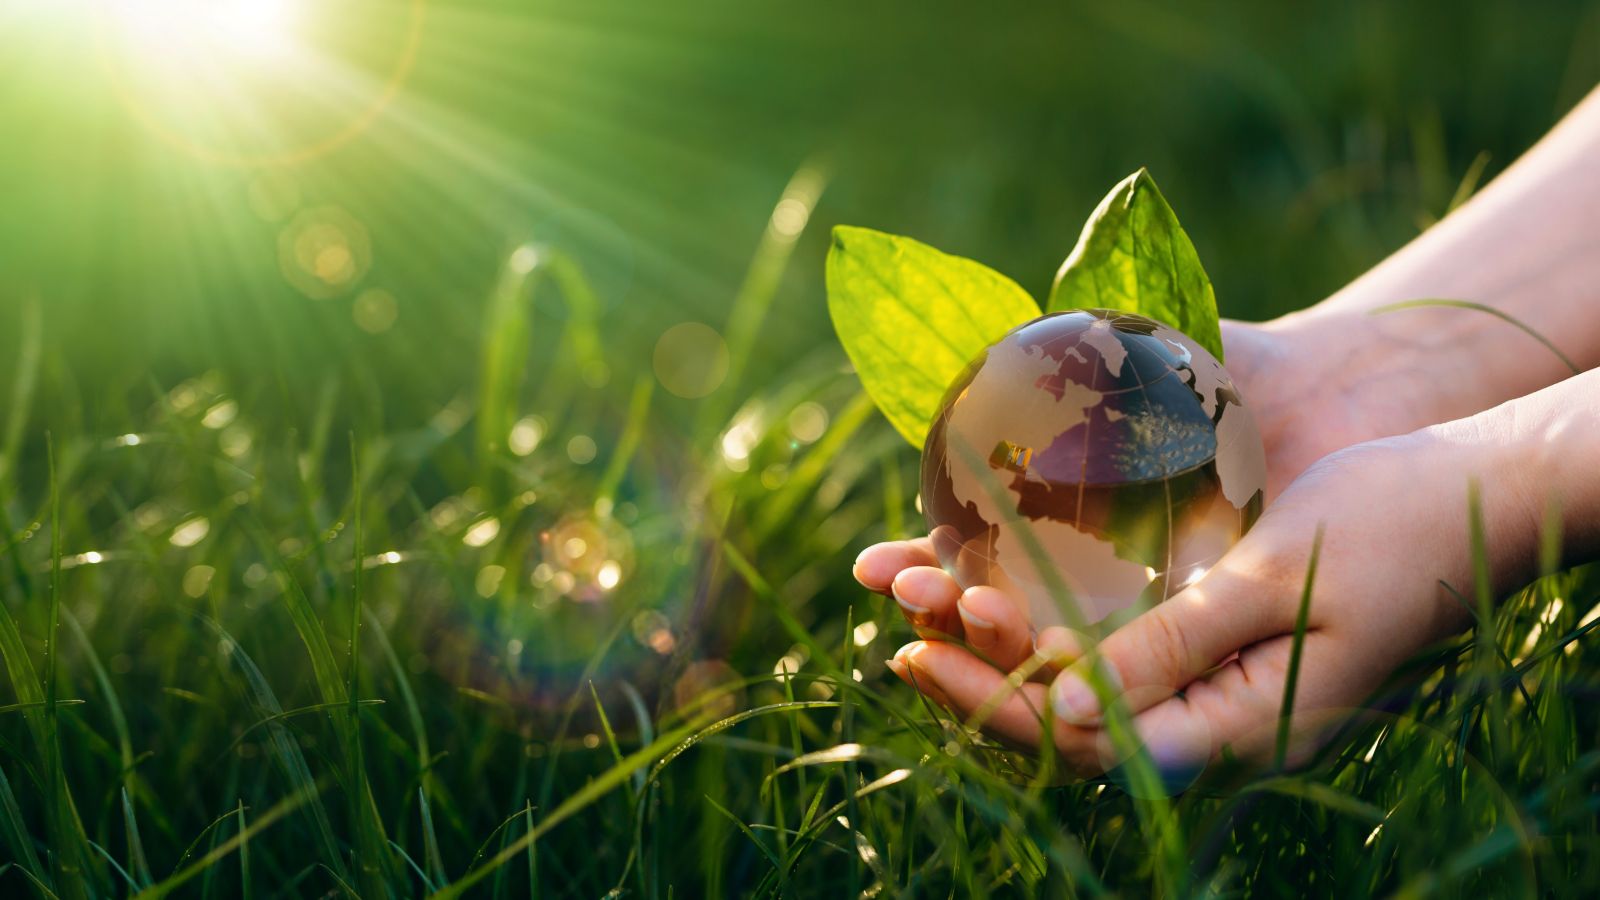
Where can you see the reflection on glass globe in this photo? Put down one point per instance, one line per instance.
(1108, 446)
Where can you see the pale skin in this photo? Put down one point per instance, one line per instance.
(1374, 425)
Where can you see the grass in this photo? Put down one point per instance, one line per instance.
(289, 608)
(281, 664)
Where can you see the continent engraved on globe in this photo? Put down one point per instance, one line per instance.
(1120, 443)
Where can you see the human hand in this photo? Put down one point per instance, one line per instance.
(1396, 522)
(1319, 384)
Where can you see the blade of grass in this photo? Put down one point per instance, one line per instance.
(421, 875)
(136, 858)
(75, 865)
(286, 750)
(777, 864)
(1483, 308)
(278, 810)
(425, 773)
(1291, 678)
(583, 797)
(15, 830)
(246, 885)
(611, 736)
(628, 443)
(1488, 638)
(374, 863)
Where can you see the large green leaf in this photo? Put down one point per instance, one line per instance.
(911, 318)
(1134, 256)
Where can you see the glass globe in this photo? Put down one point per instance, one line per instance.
(1090, 464)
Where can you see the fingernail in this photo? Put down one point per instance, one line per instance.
(980, 631)
(910, 608)
(897, 667)
(1074, 700)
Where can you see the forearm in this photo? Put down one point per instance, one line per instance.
(1531, 457)
(1527, 245)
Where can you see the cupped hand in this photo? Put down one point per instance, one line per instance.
(1314, 388)
(1207, 668)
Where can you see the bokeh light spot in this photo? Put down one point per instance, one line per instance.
(808, 422)
(587, 556)
(197, 580)
(865, 632)
(524, 259)
(324, 251)
(789, 217)
(482, 532)
(691, 360)
(581, 449)
(375, 310)
(739, 441)
(220, 415)
(526, 435)
(190, 532)
(709, 685)
(488, 581)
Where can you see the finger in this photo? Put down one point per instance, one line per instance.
(1240, 705)
(1057, 648)
(877, 565)
(968, 686)
(927, 596)
(1174, 643)
(919, 678)
(996, 627)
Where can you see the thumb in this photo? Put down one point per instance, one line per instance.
(1153, 656)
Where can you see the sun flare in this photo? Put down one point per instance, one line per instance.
(198, 31)
(256, 82)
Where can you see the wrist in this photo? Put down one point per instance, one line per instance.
(1527, 457)
(1395, 372)
(1557, 431)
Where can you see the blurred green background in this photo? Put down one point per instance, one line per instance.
(371, 312)
(1299, 145)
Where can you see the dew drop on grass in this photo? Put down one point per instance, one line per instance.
(482, 532)
(220, 415)
(526, 435)
(488, 581)
(197, 580)
(190, 532)
(864, 634)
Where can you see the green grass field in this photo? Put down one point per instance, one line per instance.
(363, 536)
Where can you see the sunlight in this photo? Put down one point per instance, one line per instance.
(224, 29)
(255, 82)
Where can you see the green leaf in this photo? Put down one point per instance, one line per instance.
(1133, 256)
(911, 318)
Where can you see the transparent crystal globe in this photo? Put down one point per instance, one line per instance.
(1090, 464)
